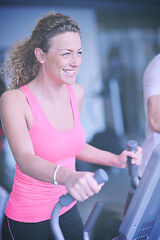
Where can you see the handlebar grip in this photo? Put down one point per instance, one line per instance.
(133, 168)
(100, 176)
(132, 145)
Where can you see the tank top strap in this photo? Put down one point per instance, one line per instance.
(27, 93)
(73, 101)
(35, 107)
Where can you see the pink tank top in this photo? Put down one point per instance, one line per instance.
(32, 200)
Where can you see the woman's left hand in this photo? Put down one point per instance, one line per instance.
(136, 157)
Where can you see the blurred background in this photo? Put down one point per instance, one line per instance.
(119, 38)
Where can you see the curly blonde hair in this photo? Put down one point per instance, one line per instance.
(21, 66)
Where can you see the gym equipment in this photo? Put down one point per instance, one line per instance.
(142, 210)
(65, 200)
(142, 218)
(133, 173)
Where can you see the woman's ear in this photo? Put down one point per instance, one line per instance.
(39, 55)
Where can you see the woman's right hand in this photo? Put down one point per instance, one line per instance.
(82, 185)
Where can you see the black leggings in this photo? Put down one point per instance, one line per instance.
(70, 223)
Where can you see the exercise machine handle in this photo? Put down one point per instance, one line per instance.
(100, 176)
(133, 168)
(133, 172)
(92, 220)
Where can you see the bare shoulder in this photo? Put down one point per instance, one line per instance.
(12, 98)
(11, 93)
(79, 91)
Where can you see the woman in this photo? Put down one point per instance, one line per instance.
(40, 118)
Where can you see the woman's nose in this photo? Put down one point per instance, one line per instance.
(76, 60)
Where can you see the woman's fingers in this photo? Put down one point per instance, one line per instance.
(136, 157)
(82, 185)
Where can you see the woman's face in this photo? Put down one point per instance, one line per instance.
(63, 58)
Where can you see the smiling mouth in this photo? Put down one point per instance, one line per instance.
(69, 71)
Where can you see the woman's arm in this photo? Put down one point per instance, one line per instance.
(154, 112)
(94, 155)
(13, 114)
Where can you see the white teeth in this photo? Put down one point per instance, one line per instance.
(69, 71)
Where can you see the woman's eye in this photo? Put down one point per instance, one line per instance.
(80, 52)
(65, 54)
